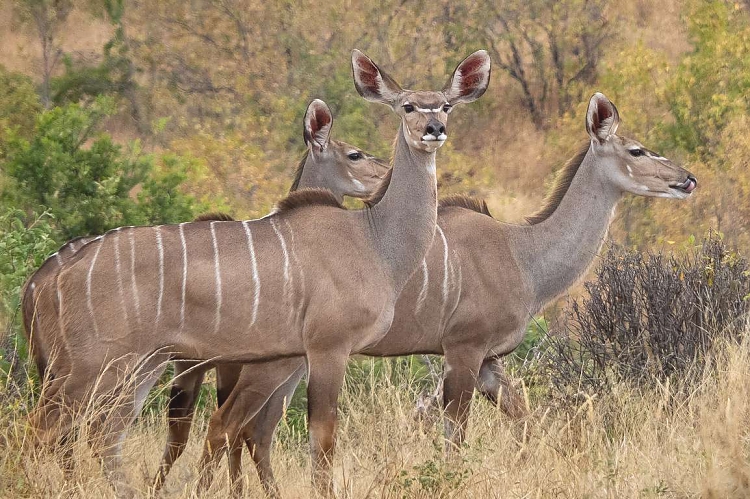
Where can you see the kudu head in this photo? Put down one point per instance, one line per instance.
(342, 168)
(424, 115)
(629, 165)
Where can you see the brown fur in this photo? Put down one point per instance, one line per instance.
(470, 203)
(298, 172)
(214, 217)
(307, 197)
(559, 188)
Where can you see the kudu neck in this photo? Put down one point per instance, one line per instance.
(315, 176)
(557, 251)
(402, 223)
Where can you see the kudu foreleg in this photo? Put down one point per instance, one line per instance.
(496, 386)
(461, 370)
(183, 397)
(326, 377)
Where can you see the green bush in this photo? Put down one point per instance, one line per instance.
(86, 181)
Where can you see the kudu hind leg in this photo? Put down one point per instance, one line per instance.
(259, 433)
(496, 386)
(226, 429)
(120, 404)
(183, 397)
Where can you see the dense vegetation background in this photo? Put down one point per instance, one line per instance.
(127, 112)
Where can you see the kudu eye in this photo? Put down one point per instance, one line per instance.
(408, 108)
(636, 152)
(354, 156)
(447, 108)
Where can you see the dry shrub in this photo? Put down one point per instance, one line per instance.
(650, 318)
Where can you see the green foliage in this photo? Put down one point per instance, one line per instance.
(19, 105)
(85, 180)
(434, 478)
(711, 84)
(23, 248)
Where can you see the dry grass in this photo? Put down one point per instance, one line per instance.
(658, 444)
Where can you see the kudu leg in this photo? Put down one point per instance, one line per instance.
(184, 394)
(495, 385)
(325, 380)
(225, 431)
(124, 401)
(259, 433)
(458, 388)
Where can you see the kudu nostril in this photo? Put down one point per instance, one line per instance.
(435, 128)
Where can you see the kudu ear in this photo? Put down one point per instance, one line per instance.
(470, 79)
(602, 118)
(372, 83)
(318, 123)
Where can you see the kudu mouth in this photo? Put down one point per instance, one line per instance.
(686, 187)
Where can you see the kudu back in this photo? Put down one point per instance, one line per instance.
(295, 276)
(480, 284)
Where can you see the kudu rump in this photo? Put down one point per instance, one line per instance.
(479, 284)
(312, 279)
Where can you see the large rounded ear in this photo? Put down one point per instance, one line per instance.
(602, 118)
(372, 83)
(470, 79)
(318, 123)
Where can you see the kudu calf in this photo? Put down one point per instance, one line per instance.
(312, 279)
(480, 283)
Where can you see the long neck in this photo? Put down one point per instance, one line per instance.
(402, 224)
(555, 253)
(314, 175)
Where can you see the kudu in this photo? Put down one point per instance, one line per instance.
(329, 164)
(311, 279)
(341, 168)
(480, 283)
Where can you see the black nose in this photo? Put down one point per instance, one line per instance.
(695, 180)
(435, 128)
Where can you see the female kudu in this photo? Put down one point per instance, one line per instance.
(480, 283)
(327, 164)
(312, 279)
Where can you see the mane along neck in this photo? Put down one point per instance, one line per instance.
(298, 172)
(567, 235)
(559, 188)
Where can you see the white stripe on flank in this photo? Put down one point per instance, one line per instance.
(160, 248)
(58, 258)
(254, 264)
(425, 285)
(88, 288)
(184, 275)
(217, 273)
(134, 287)
(286, 257)
(299, 267)
(445, 266)
(119, 279)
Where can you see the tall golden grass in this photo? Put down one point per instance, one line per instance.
(666, 442)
